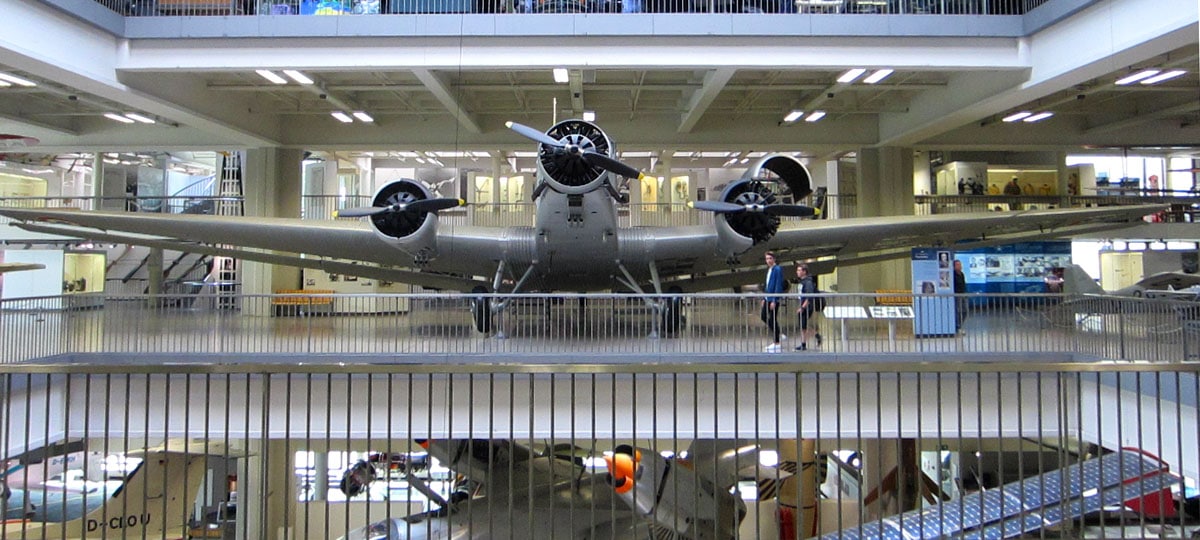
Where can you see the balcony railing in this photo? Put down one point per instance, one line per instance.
(446, 328)
(371, 7)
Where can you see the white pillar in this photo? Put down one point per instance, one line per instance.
(884, 188)
(271, 182)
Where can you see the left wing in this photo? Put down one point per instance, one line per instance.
(693, 251)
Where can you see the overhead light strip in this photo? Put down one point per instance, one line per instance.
(363, 116)
(342, 117)
(1136, 77)
(1017, 116)
(296, 76)
(1164, 76)
(561, 76)
(850, 76)
(1039, 117)
(793, 116)
(814, 116)
(118, 118)
(17, 80)
(271, 76)
(139, 118)
(879, 75)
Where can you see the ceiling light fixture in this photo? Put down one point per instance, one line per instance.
(139, 118)
(342, 117)
(793, 116)
(1017, 116)
(296, 76)
(118, 118)
(1164, 76)
(271, 76)
(1039, 116)
(850, 76)
(879, 75)
(560, 75)
(363, 116)
(1136, 77)
(589, 116)
(17, 80)
(814, 116)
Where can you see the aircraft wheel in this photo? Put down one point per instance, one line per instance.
(672, 312)
(481, 310)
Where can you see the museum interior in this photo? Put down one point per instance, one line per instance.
(674, 269)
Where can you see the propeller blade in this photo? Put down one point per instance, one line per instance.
(597, 159)
(533, 134)
(424, 205)
(434, 205)
(717, 206)
(791, 210)
(364, 211)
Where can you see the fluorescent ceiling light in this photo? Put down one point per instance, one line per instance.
(1039, 116)
(850, 76)
(589, 116)
(1017, 116)
(879, 75)
(295, 76)
(1164, 76)
(793, 116)
(814, 116)
(363, 116)
(118, 118)
(271, 76)
(139, 118)
(342, 117)
(1136, 77)
(17, 80)
(560, 75)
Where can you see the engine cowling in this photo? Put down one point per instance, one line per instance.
(768, 181)
(565, 172)
(412, 231)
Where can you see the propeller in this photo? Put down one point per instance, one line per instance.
(423, 205)
(592, 158)
(789, 210)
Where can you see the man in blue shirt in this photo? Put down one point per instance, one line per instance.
(770, 305)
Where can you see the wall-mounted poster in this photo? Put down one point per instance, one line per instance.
(483, 190)
(679, 190)
(649, 189)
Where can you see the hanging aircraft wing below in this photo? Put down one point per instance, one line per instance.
(1027, 505)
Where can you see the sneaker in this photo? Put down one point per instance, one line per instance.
(818, 336)
(772, 348)
(802, 347)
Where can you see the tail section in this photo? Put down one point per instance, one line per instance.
(1077, 281)
(153, 502)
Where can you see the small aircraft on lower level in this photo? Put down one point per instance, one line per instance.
(151, 502)
(576, 243)
(510, 491)
(1171, 285)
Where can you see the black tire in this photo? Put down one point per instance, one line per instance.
(481, 310)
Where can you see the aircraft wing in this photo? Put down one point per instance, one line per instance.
(682, 250)
(323, 243)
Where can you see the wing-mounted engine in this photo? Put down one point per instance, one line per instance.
(750, 208)
(404, 215)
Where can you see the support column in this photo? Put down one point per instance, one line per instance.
(154, 272)
(271, 182)
(884, 188)
(1060, 159)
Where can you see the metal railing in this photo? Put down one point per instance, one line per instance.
(1183, 207)
(446, 328)
(370, 7)
(312, 451)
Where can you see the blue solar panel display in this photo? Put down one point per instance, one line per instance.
(1027, 505)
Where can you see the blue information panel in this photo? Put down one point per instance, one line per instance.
(933, 292)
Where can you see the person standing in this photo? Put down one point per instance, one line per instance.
(808, 303)
(1013, 188)
(960, 288)
(770, 304)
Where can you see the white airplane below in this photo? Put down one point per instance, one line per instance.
(576, 243)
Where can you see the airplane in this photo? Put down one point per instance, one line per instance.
(150, 503)
(576, 243)
(1173, 285)
(511, 491)
(20, 267)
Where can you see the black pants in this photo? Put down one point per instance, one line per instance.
(769, 316)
